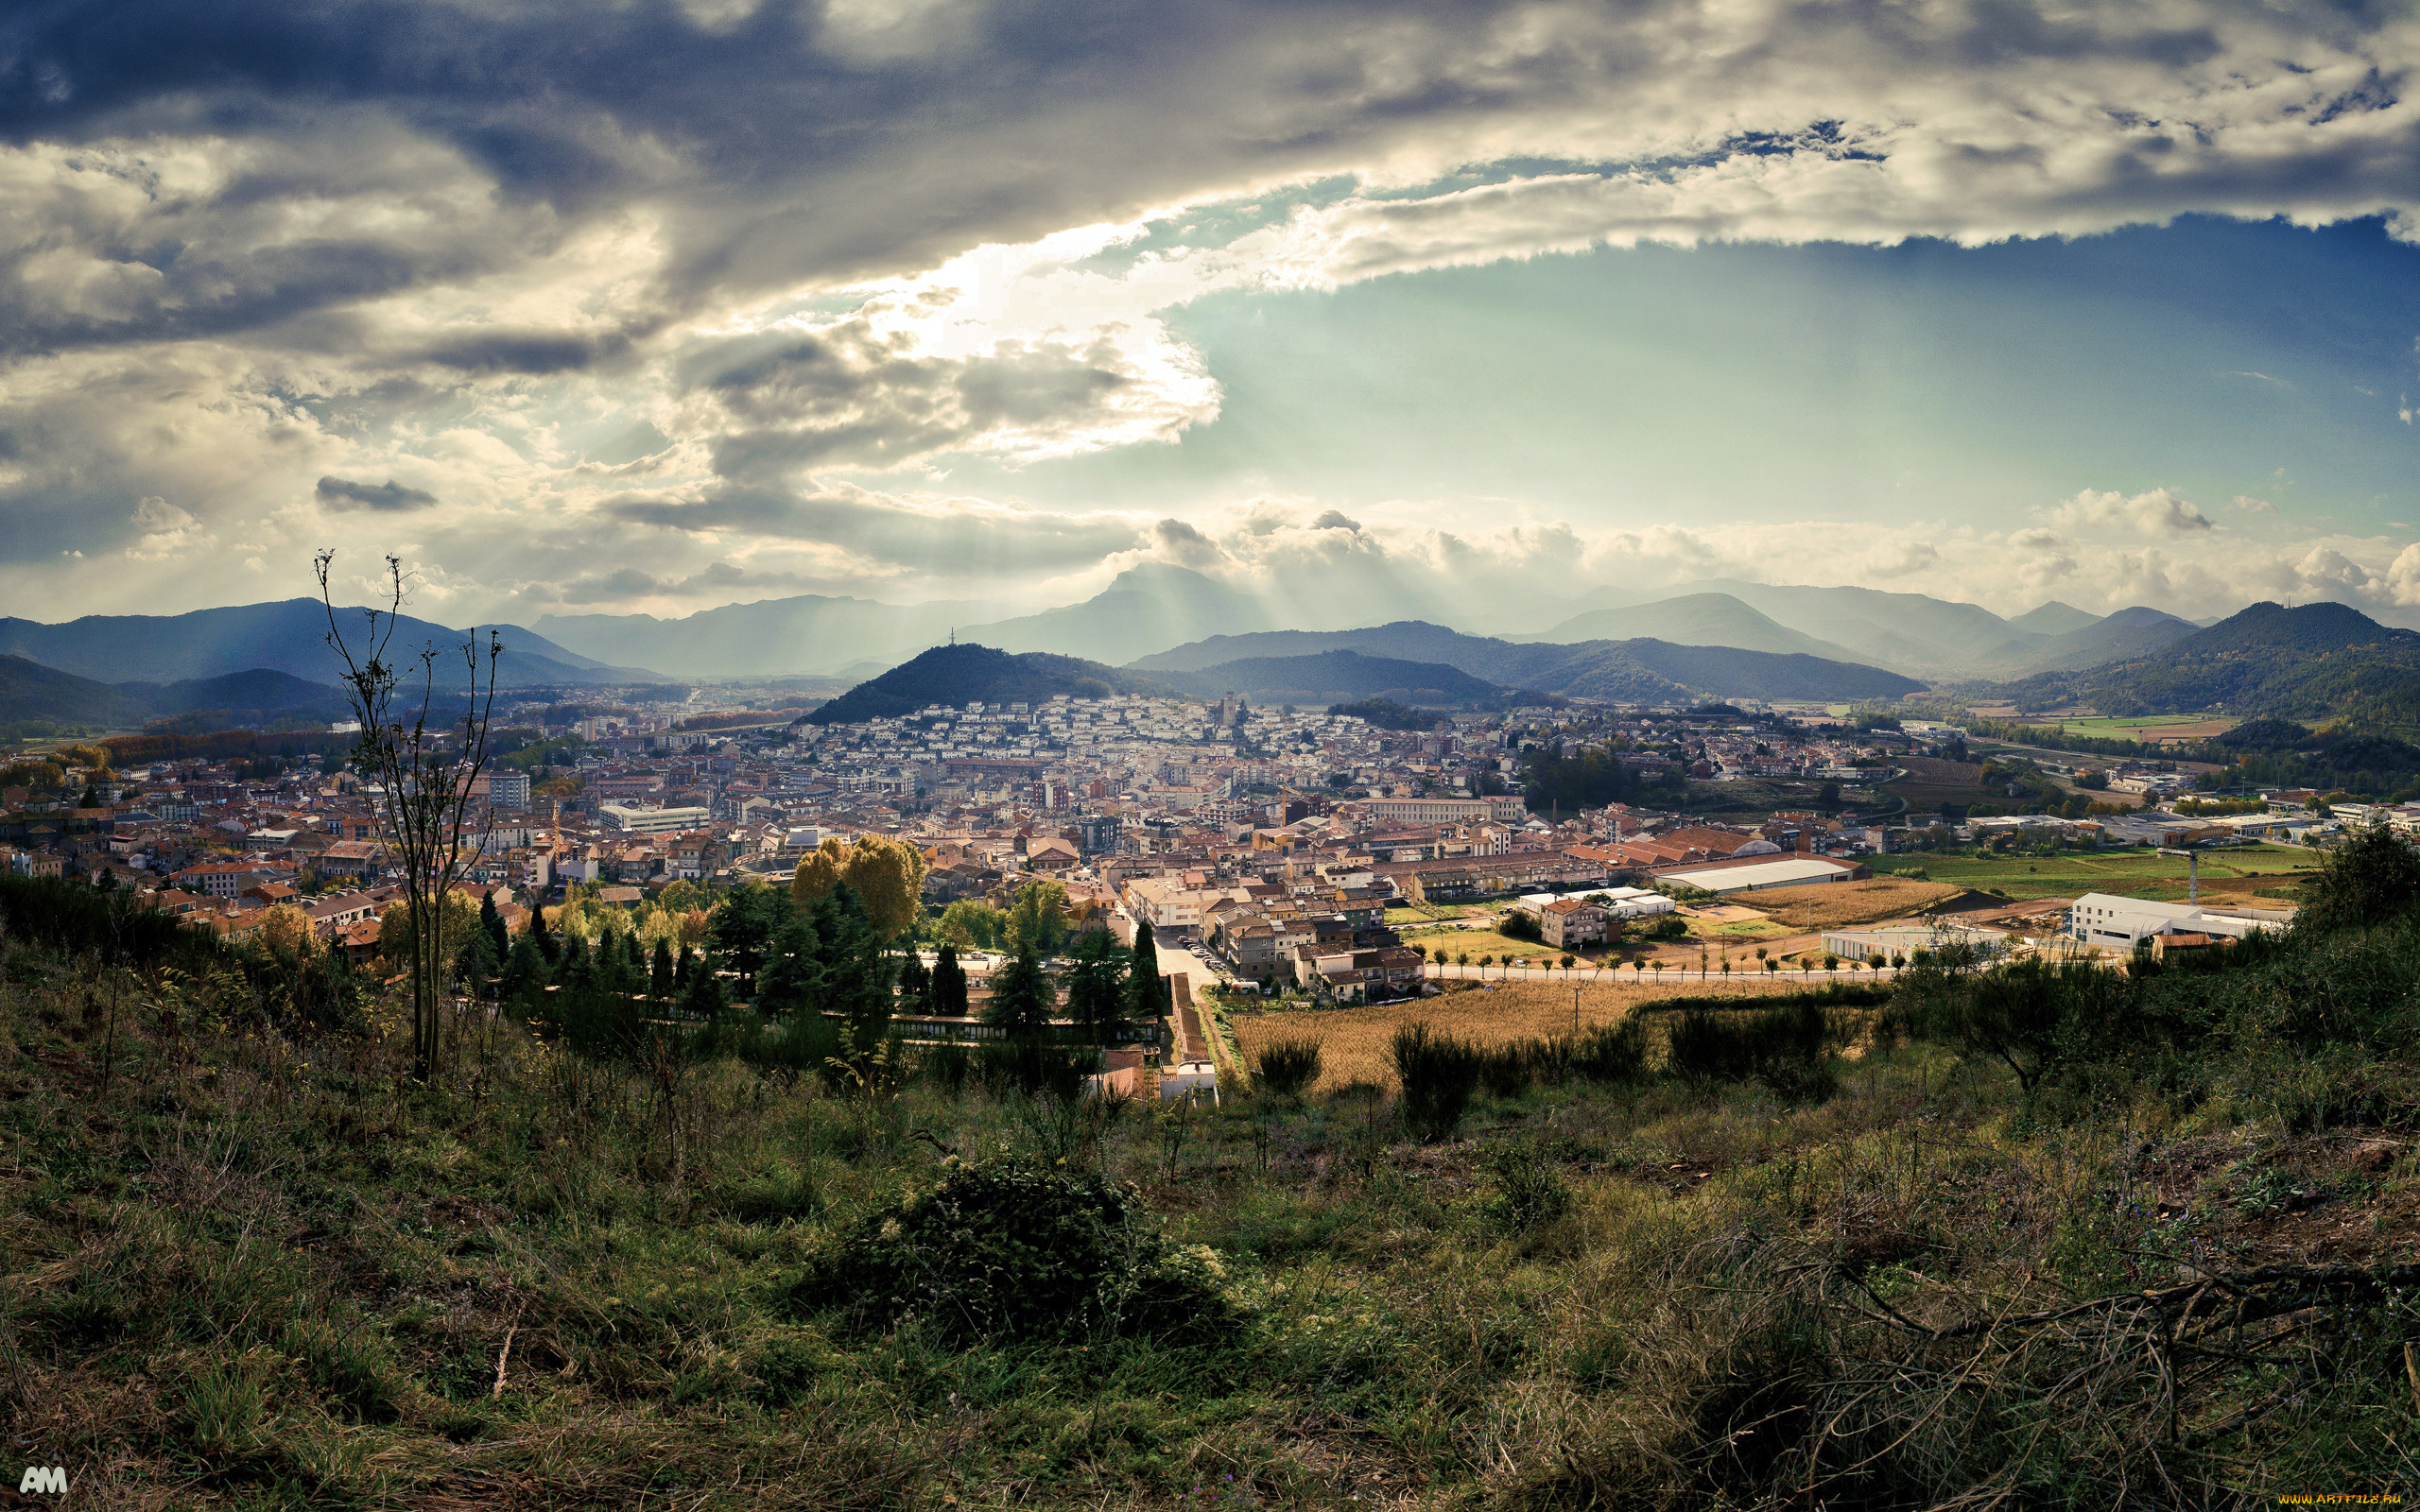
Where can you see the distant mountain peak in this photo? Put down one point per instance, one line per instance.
(2054, 618)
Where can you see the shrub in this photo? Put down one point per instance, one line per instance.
(1011, 1249)
(1613, 1053)
(1289, 1067)
(1530, 1190)
(1034, 1067)
(1505, 1069)
(948, 1067)
(1788, 1049)
(2369, 878)
(1439, 1073)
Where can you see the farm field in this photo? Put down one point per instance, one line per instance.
(2134, 874)
(2188, 728)
(1352, 1042)
(1836, 905)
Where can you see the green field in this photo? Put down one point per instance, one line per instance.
(2131, 873)
(2150, 728)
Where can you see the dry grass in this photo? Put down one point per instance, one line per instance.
(1837, 904)
(1352, 1042)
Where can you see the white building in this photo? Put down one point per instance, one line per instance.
(1890, 940)
(1621, 902)
(2121, 923)
(643, 818)
(1796, 871)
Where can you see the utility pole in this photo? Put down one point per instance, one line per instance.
(2192, 871)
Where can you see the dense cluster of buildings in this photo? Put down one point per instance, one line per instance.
(1277, 838)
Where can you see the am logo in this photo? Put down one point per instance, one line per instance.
(43, 1479)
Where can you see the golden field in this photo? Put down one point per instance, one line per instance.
(1352, 1042)
(1839, 905)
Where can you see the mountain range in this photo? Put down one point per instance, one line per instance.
(1337, 677)
(2315, 662)
(30, 692)
(1913, 634)
(1719, 637)
(289, 637)
(1639, 670)
(1153, 608)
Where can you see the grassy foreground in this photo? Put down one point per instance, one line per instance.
(248, 1265)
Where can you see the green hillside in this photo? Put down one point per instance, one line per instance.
(1338, 677)
(2313, 662)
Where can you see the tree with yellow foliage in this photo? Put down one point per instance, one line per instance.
(285, 927)
(888, 876)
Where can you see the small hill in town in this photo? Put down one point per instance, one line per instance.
(958, 675)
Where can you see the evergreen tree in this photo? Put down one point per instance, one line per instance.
(704, 999)
(1096, 985)
(915, 984)
(1021, 996)
(1146, 992)
(682, 968)
(524, 971)
(475, 963)
(949, 984)
(573, 970)
(660, 982)
(493, 921)
(792, 978)
(743, 930)
(857, 964)
(547, 945)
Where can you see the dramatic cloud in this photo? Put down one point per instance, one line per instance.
(680, 279)
(344, 494)
(942, 537)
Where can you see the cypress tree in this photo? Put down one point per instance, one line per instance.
(659, 979)
(1096, 985)
(949, 984)
(547, 945)
(1144, 989)
(493, 922)
(680, 969)
(915, 984)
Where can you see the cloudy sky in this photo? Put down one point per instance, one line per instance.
(656, 305)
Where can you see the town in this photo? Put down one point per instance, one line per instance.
(1301, 850)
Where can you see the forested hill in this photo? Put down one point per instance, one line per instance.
(958, 675)
(1641, 671)
(2313, 662)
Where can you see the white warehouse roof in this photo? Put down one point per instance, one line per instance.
(1789, 873)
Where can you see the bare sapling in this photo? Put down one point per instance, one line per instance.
(423, 772)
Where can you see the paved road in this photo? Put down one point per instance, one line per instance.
(1588, 975)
